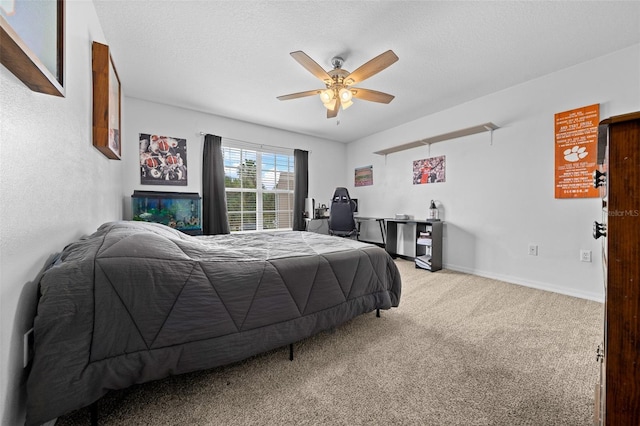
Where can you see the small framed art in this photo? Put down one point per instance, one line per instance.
(106, 103)
(364, 176)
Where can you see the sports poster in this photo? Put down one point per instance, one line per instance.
(429, 170)
(576, 152)
(364, 176)
(163, 160)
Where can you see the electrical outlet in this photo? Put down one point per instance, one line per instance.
(585, 255)
(27, 348)
(533, 250)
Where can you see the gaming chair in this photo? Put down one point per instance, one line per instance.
(341, 221)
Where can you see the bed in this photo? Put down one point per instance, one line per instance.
(137, 301)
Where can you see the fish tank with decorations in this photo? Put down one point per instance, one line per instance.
(178, 210)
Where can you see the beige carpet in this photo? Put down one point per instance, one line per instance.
(460, 350)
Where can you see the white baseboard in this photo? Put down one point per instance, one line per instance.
(527, 283)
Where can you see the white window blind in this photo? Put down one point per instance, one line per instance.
(259, 184)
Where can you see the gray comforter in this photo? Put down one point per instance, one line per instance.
(138, 301)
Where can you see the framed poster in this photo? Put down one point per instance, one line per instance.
(163, 160)
(364, 176)
(106, 103)
(429, 170)
(576, 152)
(32, 43)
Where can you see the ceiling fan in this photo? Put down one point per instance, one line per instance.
(339, 82)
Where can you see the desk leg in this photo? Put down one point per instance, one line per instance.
(392, 239)
(381, 223)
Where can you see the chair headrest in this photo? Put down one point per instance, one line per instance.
(341, 195)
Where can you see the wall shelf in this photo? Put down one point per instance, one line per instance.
(486, 127)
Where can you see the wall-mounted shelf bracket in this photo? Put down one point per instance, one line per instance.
(486, 127)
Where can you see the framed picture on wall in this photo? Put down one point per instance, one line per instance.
(429, 170)
(363, 176)
(32, 43)
(163, 160)
(106, 103)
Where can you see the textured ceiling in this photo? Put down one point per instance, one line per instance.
(231, 58)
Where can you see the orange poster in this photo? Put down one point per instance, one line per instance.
(576, 152)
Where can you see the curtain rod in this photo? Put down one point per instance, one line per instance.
(250, 143)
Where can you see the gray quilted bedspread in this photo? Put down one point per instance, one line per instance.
(138, 301)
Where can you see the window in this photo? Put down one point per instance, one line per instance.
(259, 186)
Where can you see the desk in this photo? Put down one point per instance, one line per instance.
(433, 251)
(380, 220)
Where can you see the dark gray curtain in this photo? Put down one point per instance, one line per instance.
(214, 199)
(301, 190)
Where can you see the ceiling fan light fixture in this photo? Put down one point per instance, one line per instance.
(345, 95)
(330, 105)
(346, 104)
(327, 96)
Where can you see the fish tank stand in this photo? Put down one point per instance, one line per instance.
(178, 210)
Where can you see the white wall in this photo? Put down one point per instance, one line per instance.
(55, 187)
(499, 196)
(327, 159)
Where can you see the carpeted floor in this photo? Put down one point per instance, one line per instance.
(459, 350)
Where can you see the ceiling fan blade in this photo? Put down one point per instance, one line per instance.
(299, 95)
(331, 113)
(371, 95)
(311, 65)
(372, 67)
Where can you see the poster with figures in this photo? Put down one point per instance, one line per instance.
(576, 152)
(429, 170)
(163, 160)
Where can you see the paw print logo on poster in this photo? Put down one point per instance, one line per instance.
(576, 153)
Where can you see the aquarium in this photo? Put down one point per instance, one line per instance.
(178, 210)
